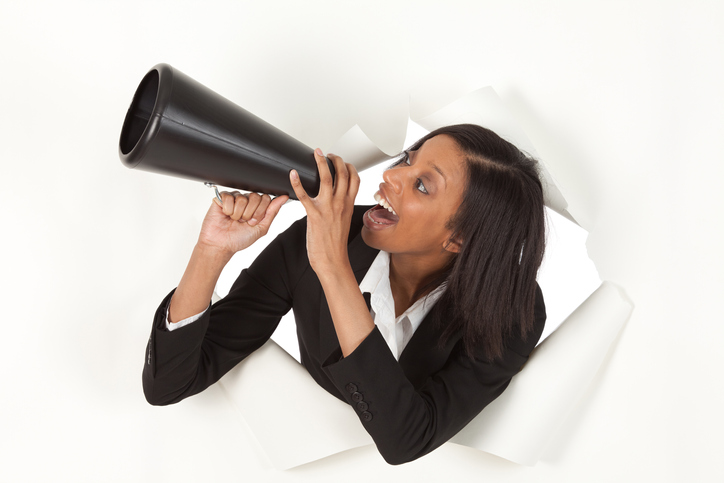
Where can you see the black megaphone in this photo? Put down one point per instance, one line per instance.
(178, 127)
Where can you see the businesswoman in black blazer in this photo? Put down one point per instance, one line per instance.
(461, 218)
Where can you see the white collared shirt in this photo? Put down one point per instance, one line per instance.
(397, 331)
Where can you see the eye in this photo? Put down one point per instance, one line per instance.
(420, 186)
(418, 182)
(405, 160)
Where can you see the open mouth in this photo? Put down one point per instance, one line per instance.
(381, 216)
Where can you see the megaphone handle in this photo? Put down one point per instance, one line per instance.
(212, 185)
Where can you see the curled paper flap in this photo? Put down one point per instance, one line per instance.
(294, 420)
(567, 275)
(356, 147)
(518, 424)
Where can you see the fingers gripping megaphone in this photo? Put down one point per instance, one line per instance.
(178, 127)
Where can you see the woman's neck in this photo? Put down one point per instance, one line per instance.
(409, 274)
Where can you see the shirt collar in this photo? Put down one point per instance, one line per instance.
(378, 272)
(377, 283)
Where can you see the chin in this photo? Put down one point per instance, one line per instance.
(370, 239)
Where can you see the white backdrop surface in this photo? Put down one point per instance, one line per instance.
(622, 100)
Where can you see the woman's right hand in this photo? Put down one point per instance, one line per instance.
(239, 221)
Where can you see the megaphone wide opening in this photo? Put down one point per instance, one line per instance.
(139, 114)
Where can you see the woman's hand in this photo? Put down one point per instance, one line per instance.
(329, 214)
(238, 221)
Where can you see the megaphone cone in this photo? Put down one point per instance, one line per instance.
(178, 127)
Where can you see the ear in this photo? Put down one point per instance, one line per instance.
(453, 245)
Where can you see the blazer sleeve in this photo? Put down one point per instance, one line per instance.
(184, 362)
(407, 422)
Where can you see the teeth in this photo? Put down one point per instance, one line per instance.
(383, 202)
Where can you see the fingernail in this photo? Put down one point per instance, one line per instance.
(294, 174)
(319, 152)
(217, 201)
(252, 222)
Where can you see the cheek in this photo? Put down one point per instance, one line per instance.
(425, 224)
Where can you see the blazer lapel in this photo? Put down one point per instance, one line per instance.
(361, 257)
(423, 356)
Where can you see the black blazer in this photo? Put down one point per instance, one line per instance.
(409, 407)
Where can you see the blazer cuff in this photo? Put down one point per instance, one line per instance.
(166, 350)
(363, 376)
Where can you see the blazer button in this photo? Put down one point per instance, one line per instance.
(351, 388)
(367, 416)
(357, 397)
(362, 406)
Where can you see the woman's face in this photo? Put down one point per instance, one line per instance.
(424, 193)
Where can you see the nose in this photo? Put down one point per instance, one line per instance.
(394, 178)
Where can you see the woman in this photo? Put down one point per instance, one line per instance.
(417, 311)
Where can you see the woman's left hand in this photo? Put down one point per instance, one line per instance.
(329, 214)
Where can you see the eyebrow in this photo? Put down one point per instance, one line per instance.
(434, 166)
(437, 168)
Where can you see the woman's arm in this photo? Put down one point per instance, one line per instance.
(197, 284)
(350, 315)
(328, 223)
(229, 226)
(185, 361)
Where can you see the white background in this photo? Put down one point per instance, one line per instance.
(623, 100)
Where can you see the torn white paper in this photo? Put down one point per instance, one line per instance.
(567, 276)
(355, 147)
(294, 420)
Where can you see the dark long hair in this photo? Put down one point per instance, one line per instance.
(491, 282)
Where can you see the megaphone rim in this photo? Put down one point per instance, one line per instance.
(162, 74)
